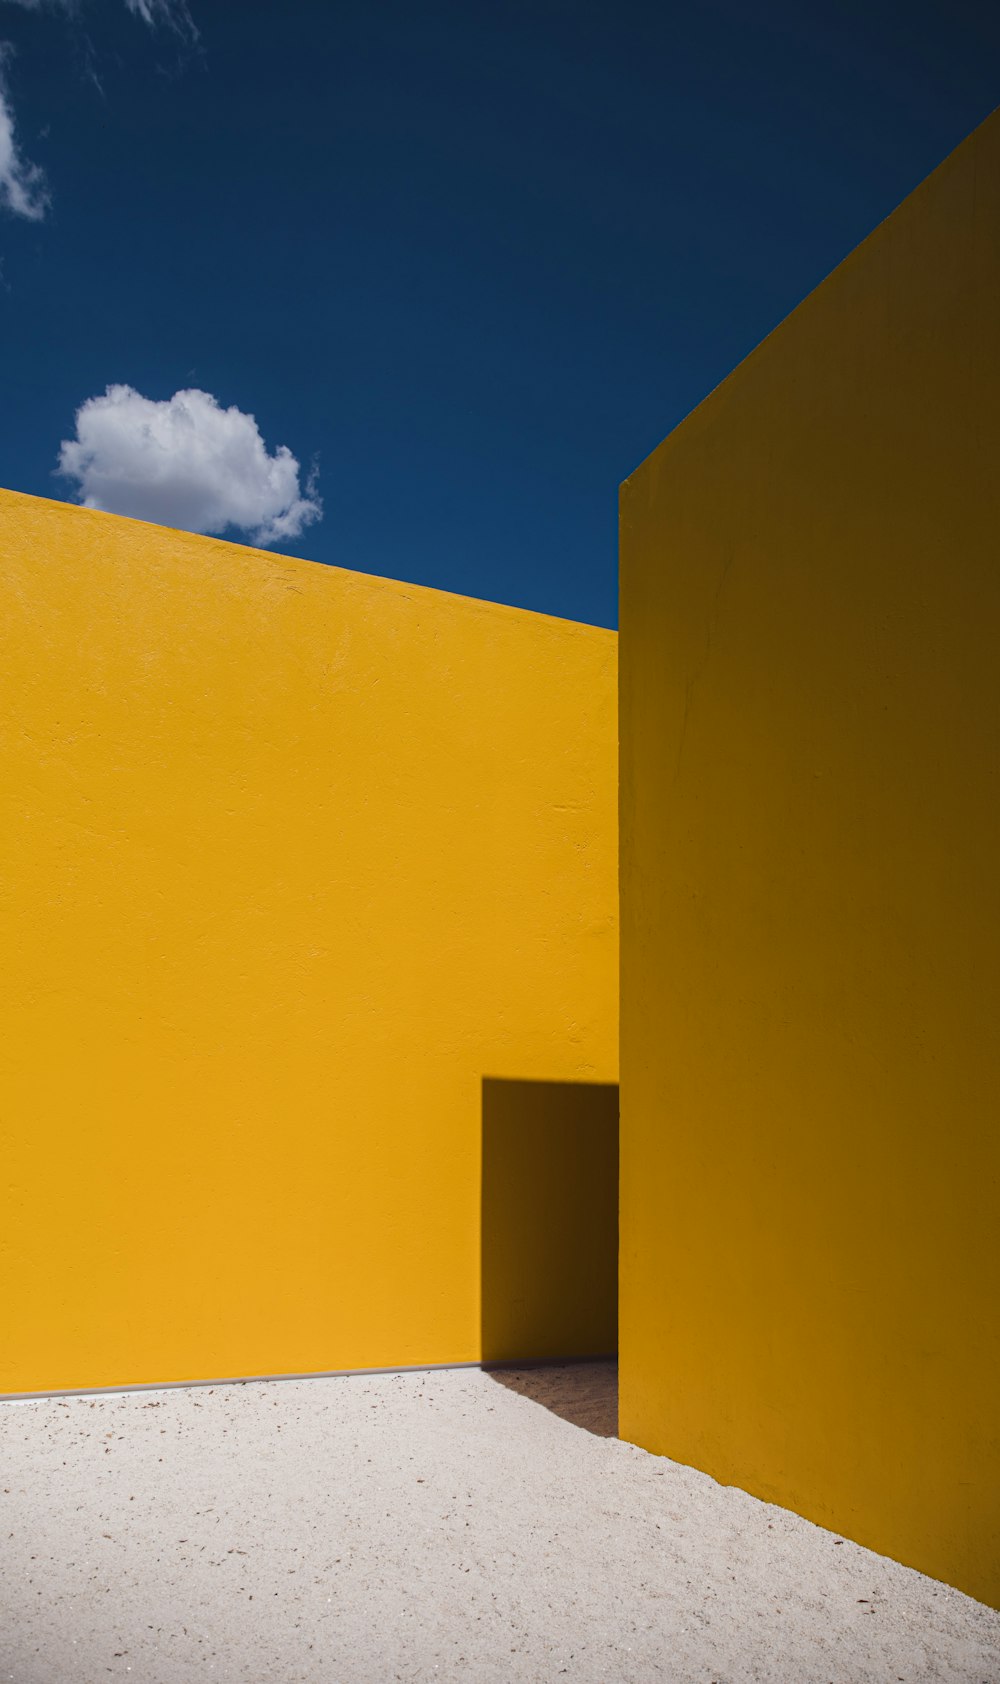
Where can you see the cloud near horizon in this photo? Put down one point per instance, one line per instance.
(186, 462)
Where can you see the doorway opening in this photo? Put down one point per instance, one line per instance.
(550, 1244)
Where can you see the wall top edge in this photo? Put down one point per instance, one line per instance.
(704, 407)
(54, 508)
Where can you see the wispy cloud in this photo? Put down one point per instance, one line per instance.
(170, 14)
(187, 462)
(22, 183)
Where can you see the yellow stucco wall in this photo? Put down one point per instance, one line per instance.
(810, 722)
(290, 859)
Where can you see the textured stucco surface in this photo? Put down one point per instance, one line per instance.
(810, 830)
(421, 1527)
(291, 859)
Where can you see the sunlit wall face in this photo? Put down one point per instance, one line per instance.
(291, 859)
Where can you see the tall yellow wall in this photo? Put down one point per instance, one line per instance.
(290, 859)
(810, 723)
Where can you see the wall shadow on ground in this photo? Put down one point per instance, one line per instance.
(549, 1220)
(583, 1393)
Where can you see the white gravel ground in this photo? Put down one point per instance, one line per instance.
(424, 1527)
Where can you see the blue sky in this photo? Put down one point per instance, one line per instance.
(467, 264)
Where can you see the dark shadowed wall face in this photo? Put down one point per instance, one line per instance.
(550, 1220)
(810, 823)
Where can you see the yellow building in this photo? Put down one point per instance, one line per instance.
(308, 907)
(307, 888)
(810, 873)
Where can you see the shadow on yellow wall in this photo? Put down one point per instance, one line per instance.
(549, 1220)
(810, 829)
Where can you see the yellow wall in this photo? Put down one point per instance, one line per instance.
(290, 859)
(810, 722)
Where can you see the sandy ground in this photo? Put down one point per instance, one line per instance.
(426, 1527)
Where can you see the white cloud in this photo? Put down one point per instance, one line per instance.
(173, 14)
(185, 462)
(22, 184)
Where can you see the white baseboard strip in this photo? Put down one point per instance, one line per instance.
(315, 1374)
(229, 1380)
